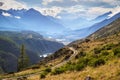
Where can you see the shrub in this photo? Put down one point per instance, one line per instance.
(79, 67)
(66, 57)
(45, 72)
(97, 50)
(70, 67)
(83, 61)
(117, 51)
(69, 62)
(48, 70)
(105, 53)
(43, 75)
(109, 46)
(96, 62)
(87, 40)
(81, 54)
(118, 73)
(35, 67)
(58, 71)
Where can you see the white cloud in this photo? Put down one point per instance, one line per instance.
(59, 17)
(53, 11)
(111, 2)
(46, 2)
(64, 41)
(78, 10)
(6, 14)
(74, 9)
(60, 40)
(18, 17)
(75, 0)
(96, 11)
(8, 4)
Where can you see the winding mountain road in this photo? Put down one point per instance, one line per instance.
(75, 52)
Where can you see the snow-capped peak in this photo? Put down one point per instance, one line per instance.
(114, 11)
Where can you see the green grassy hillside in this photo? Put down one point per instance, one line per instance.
(35, 46)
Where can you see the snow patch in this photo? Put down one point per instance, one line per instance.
(114, 12)
(18, 17)
(6, 14)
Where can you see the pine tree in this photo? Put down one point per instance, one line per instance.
(23, 60)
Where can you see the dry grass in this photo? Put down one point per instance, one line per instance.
(109, 71)
(105, 72)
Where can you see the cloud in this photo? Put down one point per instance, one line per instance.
(96, 11)
(69, 3)
(8, 4)
(69, 9)
(58, 17)
(72, 9)
(6, 14)
(46, 2)
(112, 2)
(74, 0)
(53, 11)
(60, 40)
(92, 12)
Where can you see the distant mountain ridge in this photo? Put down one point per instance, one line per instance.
(35, 45)
(102, 17)
(27, 20)
(83, 33)
(111, 29)
(33, 41)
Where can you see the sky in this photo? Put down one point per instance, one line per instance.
(65, 9)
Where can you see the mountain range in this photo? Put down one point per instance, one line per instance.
(27, 20)
(31, 19)
(97, 24)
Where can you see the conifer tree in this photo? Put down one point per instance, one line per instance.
(23, 60)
